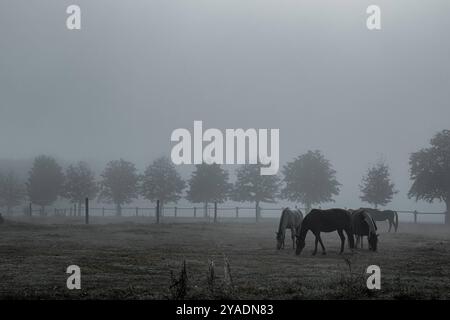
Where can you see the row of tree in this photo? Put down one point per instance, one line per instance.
(308, 179)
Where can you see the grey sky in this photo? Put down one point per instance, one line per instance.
(139, 69)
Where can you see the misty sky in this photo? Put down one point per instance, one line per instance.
(140, 69)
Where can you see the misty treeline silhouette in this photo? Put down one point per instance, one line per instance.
(308, 179)
(377, 188)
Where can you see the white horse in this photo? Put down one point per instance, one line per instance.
(290, 219)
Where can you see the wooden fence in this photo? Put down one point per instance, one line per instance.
(214, 211)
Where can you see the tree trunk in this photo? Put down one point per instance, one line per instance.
(43, 211)
(447, 213)
(118, 210)
(79, 208)
(257, 210)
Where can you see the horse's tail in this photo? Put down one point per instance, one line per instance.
(396, 221)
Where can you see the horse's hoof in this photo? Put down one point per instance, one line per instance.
(324, 253)
(314, 253)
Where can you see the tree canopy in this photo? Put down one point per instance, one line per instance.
(377, 188)
(12, 191)
(161, 181)
(45, 181)
(310, 179)
(430, 171)
(251, 186)
(80, 183)
(119, 183)
(208, 183)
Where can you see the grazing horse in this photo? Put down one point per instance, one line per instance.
(364, 225)
(390, 215)
(290, 219)
(325, 221)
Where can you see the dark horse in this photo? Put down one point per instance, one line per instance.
(325, 221)
(390, 215)
(364, 225)
(290, 219)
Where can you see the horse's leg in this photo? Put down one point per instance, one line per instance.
(351, 238)
(293, 237)
(390, 225)
(315, 244)
(341, 235)
(321, 244)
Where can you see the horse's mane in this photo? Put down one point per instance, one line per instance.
(371, 224)
(283, 213)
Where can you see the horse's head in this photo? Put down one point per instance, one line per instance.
(373, 241)
(300, 244)
(280, 240)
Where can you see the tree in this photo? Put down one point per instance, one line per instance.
(376, 187)
(162, 182)
(45, 181)
(208, 183)
(310, 179)
(79, 184)
(12, 191)
(430, 172)
(119, 183)
(251, 186)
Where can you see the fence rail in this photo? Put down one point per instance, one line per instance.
(212, 211)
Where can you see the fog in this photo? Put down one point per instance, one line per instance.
(137, 70)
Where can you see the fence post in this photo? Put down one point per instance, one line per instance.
(86, 208)
(137, 211)
(157, 211)
(31, 209)
(195, 212)
(257, 211)
(237, 212)
(415, 216)
(215, 211)
(175, 211)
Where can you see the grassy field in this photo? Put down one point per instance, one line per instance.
(132, 258)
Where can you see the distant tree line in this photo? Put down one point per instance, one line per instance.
(308, 179)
